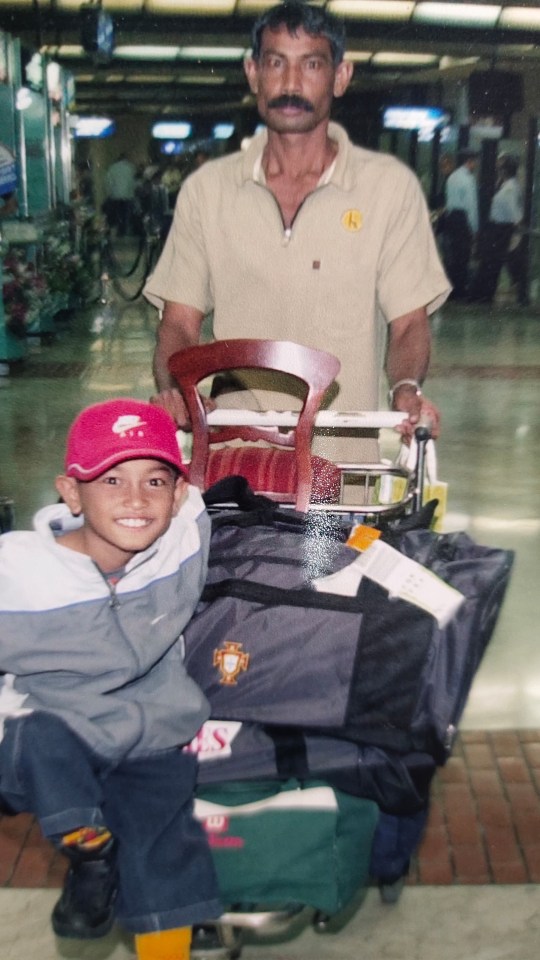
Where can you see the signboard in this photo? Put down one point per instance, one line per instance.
(8, 171)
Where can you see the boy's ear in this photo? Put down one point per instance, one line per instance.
(68, 489)
(180, 494)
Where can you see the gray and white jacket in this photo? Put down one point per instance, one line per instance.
(107, 660)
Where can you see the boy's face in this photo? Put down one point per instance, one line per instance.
(125, 509)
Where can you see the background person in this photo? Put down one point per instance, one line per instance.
(304, 236)
(505, 214)
(120, 184)
(461, 222)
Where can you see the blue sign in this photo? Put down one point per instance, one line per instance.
(8, 171)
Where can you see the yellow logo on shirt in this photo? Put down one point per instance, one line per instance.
(352, 220)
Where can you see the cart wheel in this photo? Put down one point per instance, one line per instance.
(320, 922)
(391, 892)
(223, 942)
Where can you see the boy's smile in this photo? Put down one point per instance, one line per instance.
(125, 510)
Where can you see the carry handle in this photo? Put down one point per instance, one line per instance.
(422, 437)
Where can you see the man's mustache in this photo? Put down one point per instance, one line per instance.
(290, 100)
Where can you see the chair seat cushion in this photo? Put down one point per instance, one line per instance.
(270, 470)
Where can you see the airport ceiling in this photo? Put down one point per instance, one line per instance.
(184, 57)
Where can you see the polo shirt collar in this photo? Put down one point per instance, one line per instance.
(340, 172)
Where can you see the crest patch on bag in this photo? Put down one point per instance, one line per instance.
(231, 661)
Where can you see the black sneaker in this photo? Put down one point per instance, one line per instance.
(85, 911)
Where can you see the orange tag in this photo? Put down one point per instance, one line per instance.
(362, 537)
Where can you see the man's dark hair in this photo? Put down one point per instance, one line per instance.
(297, 15)
(509, 166)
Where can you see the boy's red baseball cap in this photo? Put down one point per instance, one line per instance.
(108, 433)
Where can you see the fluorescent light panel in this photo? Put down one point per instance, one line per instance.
(359, 56)
(372, 9)
(520, 18)
(64, 50)
(457, 14)
(171, 130)
(206, 8)
(211, 53)
(392, 59)
(145, 52)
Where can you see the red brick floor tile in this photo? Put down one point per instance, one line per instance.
(470, 863)
(434, 844)
(501, 845)
(506, 743)
(494, 810)
(436, 872)
(529, 736)
(479, 755)
(473, 736)
(513, 769)
(528, 828)
(454, 771)
(531, 855)
(483, 824)
(509, 872)
(531, 752)
(485, 782)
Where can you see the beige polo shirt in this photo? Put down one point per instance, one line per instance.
(359, 254)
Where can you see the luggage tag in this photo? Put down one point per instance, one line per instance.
(400, 576)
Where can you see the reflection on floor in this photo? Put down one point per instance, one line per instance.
(484, 830)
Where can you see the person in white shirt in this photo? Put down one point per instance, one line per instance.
(461, 222)
(120, 185)
(506, 213)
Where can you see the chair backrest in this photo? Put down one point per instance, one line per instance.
(315, 368)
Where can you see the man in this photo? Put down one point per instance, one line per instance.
(120, 185)
(303, 236)
(461, 222)
(505, 214)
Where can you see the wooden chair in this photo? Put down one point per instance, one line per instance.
(296, 476)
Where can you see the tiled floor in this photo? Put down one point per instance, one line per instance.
(482, 843)
(483, 827)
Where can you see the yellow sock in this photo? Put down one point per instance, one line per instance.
(87, 838)
(164, 944)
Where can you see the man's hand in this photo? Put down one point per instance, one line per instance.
(420, 410)
(172, 401)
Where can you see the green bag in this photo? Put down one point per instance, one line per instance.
(276, 844)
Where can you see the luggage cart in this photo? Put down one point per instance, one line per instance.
(223, 939)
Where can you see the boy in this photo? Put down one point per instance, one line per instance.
(95, 703)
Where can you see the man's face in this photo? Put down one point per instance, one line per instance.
(125, 510)
(295, 80)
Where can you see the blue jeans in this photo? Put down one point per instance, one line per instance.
(166, 871)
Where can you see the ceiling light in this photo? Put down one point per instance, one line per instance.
(457, 14)
(148, 52)
(520, 18)
(171, 130)
(149, 78)
(195, 7)
(372, 9)
(254, 6)
(200, 79)
(358, 56)
(446, 63)
(211, 53)
(405, 59)
(64, 50)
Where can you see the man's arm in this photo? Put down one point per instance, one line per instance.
(180, 327)
(407, 358)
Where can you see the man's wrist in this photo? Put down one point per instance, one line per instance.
(405, 384)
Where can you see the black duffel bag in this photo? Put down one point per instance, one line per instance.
(269, 649)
